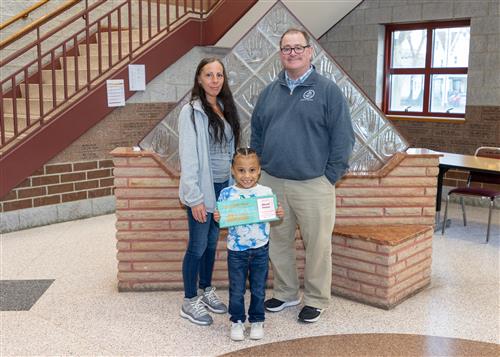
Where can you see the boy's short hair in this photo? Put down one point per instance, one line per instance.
(244, 152)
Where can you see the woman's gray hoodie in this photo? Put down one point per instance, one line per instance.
(196, 184)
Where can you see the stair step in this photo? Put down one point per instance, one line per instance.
(125, 35)
(94, 49)
(173, 12)
(82, 62)
(21, 123)
(70, 76)
(34, 105)
(47, 91)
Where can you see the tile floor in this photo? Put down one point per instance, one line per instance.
(82, 313)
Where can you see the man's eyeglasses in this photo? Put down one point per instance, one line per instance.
(298, 49)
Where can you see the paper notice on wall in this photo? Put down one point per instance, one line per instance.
(116, 92)
(137, 77)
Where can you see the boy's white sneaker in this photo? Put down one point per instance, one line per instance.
(237, 331)
(257, 330)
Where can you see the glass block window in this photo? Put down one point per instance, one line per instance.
(426, 69)
(254, 62)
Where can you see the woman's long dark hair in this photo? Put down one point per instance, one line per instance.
(215, 123)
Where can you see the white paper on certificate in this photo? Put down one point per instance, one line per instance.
(266, 208)
(137, 77)
(116, 92)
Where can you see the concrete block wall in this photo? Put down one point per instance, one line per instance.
(152, 231)
(172, 84)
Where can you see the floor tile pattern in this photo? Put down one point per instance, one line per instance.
(82, 313)
(21, 295)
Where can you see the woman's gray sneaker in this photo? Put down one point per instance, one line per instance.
(210, 299)
(193, 310)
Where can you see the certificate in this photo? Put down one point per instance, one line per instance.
(247, 211)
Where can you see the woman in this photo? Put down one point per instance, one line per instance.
(209, 132)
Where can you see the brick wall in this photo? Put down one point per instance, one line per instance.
(403, 192)
(60, 183)
(152, 231)
(458, 178)
(480, 128)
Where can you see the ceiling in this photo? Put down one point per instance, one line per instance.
(317, 16)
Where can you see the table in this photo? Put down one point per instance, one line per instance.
(457, 161)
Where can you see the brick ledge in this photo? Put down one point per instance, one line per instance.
(381, 234)
(129, 152)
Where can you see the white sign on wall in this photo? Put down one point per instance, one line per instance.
(136, 77)
(116, 92)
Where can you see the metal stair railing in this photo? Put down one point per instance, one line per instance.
(22, 15)
(33, 94)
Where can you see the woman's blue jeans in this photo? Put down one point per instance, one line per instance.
(254, 265)
(199, 259)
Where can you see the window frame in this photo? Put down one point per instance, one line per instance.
(427, 71)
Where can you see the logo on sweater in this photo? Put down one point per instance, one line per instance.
(308, 95)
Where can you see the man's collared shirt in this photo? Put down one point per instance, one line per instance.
(293, 83)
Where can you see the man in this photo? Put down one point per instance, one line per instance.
(302, 131)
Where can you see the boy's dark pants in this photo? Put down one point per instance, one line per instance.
(254, 265)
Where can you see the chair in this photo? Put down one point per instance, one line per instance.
(469, 191)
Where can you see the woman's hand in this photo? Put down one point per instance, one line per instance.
(199, 213)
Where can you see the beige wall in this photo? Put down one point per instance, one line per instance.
(357, 44)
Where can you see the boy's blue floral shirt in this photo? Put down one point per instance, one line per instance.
(248, 236)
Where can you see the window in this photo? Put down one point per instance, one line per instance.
(426, 69)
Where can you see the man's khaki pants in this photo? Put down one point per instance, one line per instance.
(310, 204)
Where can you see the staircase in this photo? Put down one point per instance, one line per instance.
(52, 100)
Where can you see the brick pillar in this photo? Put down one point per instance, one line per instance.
(151, 223)
(381, 265)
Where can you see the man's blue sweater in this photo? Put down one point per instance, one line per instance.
(304, 133)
